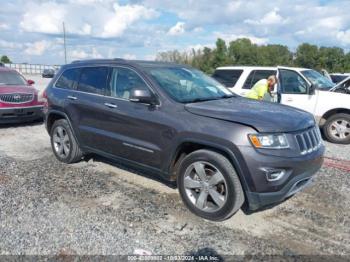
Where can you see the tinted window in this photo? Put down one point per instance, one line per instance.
(93, 80)
(228, 77)
(123, 80)
(338, 78)
(292, 82)
(68, 79)
(257, 75)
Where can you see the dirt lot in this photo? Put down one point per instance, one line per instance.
(47, 207)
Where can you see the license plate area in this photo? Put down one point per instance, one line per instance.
(19, 111)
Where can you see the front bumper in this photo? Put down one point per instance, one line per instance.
(20, 114)
(262, 193)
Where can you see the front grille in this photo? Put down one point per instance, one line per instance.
(309, 140)
(16, 98)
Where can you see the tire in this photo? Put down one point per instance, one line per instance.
(67, 138)
(337, 129)
(194, 185)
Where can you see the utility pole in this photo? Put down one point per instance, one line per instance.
(64, 43)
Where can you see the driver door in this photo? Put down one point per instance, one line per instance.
(294, 91)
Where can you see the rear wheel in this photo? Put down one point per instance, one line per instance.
(209, 185)
(64, 144)
(337, 129)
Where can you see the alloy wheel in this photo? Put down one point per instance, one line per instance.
(205, 186)
(61, 142)
(340, 129)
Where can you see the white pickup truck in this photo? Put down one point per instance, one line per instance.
(302, 88)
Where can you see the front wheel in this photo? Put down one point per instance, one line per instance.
(337, 129)
(209, 185)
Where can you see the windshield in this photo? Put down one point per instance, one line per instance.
(187, 85)
(11, 78)
(320, 81)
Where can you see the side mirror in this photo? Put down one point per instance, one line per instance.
(312, 89)
(30, 82)
(142, 96)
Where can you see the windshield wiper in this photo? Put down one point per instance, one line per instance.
(201, 100)
(209, 99)
(229, 96)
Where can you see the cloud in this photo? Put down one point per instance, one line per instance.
(198, 29)
(83, 54)
(95, 18)
(271, 18)
(125, 16)
(43, 18)
(177, 29)
(10, 45)
(129, 56)
(344, 37)
(4, 26)
(37, 48)
(32, 29)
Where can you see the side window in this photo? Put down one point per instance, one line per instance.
(123, 80)
(93, 80)
(68, 79)
(228, 77)
(257, 75)
(292, 82)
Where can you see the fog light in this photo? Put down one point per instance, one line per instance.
(274, 174)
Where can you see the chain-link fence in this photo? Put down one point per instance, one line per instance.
(31, 69)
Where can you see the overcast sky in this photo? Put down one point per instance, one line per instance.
(31, 30)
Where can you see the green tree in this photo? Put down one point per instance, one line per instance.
(5, 59)
(206, 61)
(243, 52)
(220, 54)
(274, 55)
(307, 56)
(346, 68)
(332, 59)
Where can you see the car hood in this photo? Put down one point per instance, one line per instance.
(263, 116)
(17, 89)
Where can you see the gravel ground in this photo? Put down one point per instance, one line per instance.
(94, 208)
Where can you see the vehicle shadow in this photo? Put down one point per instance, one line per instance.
(138, 171)
(22, 124)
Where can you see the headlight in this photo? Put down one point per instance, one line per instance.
(272, 141)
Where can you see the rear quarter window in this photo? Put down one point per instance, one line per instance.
(68, 79)
(228, 78)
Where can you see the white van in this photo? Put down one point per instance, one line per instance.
(302, 88)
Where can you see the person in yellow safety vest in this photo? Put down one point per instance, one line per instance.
(262, 87)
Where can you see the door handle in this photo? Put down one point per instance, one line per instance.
(72, 97)
(289, 99)
(111, 105)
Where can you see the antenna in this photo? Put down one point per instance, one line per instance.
(64, 43)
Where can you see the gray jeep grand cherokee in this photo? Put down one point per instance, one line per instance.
(223, 152)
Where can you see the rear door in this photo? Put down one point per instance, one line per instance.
(294, 90)
(86, 106)
(65, 88)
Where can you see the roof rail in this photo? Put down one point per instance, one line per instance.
(97, 60)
